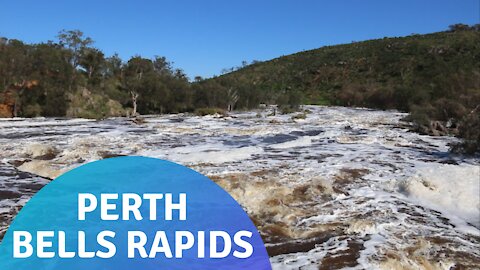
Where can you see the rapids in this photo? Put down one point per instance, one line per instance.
(343, 188)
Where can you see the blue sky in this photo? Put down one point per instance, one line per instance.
(204, 36)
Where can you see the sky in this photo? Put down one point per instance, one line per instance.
(202, 37)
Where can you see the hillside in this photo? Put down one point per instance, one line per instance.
(390, 63)
(436, 77)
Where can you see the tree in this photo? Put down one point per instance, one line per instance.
(162, 66)
(54, 75)
(459, 27)
(113, 66)
(16, 68)
(232, 98)
(76, 43)
(134, 78)
(92, 61)
(16, 62)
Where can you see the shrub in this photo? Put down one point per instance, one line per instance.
(33, 110)
(470, 132)
(86, 104)
(210, 111)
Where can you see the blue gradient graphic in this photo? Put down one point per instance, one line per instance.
(209, 208)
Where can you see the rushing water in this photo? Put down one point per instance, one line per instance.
(343, 188)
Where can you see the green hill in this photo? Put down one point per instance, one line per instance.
(327, 75)
(436, 77)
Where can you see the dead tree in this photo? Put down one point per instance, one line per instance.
(232, 99)
(134, 95)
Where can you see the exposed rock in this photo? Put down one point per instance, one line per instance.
(108, 154)
(139, 120)
(42, 168)
(9, 106)
(345, 258)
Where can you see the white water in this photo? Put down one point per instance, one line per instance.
(452, 189)
(345, 184)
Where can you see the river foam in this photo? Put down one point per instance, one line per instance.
(342, 189)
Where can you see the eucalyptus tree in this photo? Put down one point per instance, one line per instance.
(76, 43)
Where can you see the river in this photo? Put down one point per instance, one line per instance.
(341, 189)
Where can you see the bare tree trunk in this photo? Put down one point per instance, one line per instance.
(134, 101)
(232, 96)
(17, 97)
(15, 108)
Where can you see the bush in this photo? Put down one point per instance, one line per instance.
(210, 111)
(447, 109)
(33, 110)
(470, 132)
(420, 115)
(85, 104)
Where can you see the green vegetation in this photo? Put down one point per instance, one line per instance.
(74, 79)
(435, 77)
(210, 111)
(85, 104)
